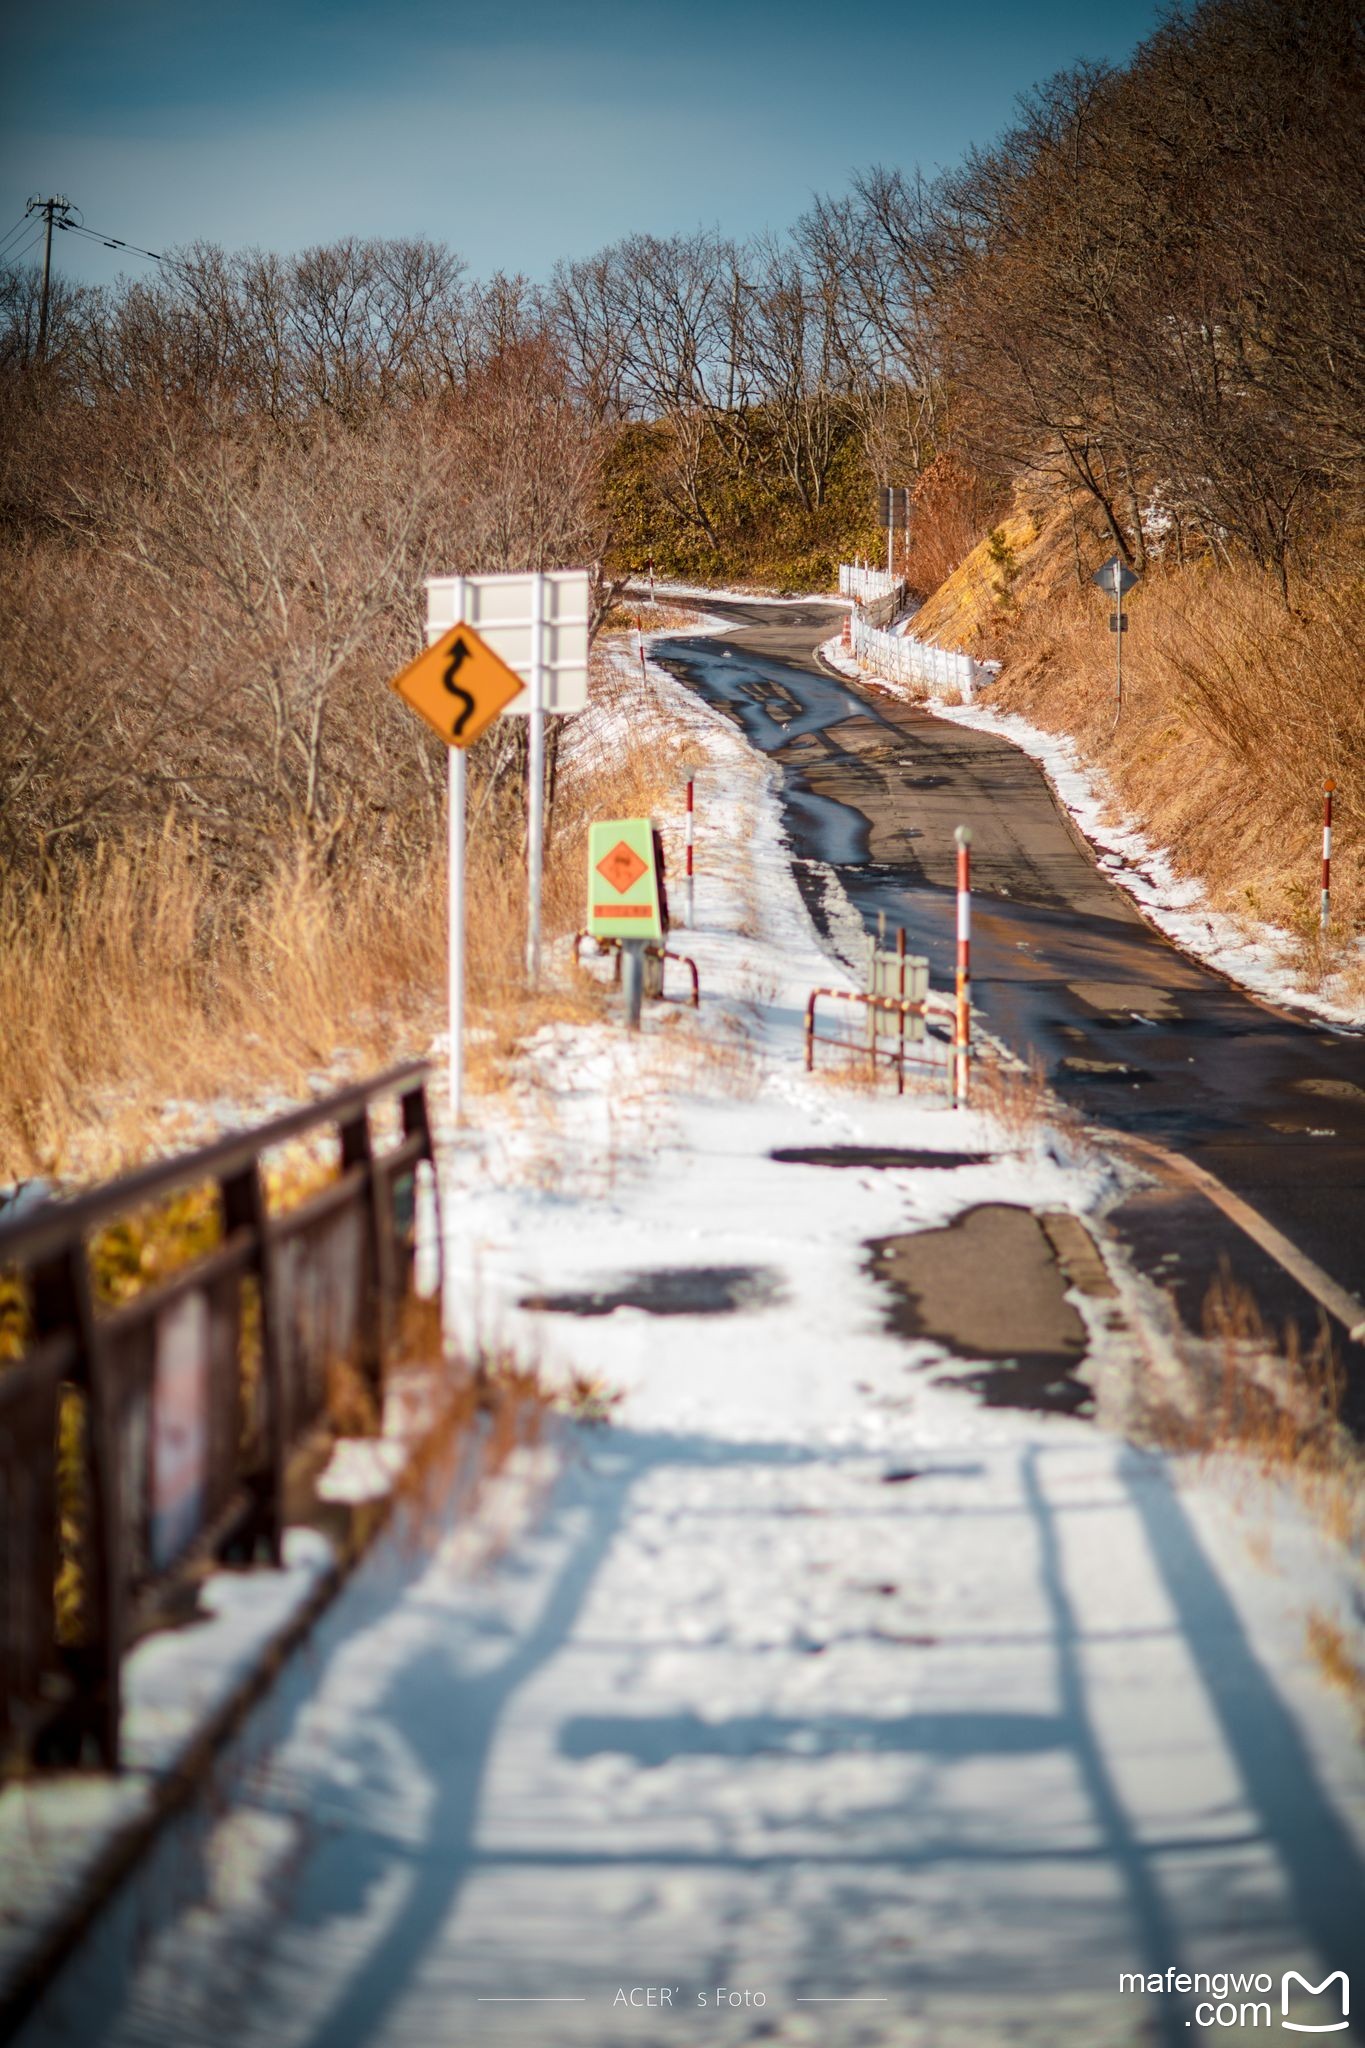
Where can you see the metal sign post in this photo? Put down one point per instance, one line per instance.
(458, 686)
(535, 799)
(538, 623)
(497, 643)
(633, 979)
(1118, 577)
(455, 845)
(890, 496)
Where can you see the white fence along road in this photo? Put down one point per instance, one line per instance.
(856, 580)
(903, 659)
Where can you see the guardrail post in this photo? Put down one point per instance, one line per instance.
(64, 1300)
(357, 1149)
(244, 1208)
(417, 1123)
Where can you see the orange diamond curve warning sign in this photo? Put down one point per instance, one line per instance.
(459, 685)
(623, 885)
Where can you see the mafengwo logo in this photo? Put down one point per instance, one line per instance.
(1288, 1998)
(1238, 1999)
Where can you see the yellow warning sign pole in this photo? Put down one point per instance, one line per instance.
(458, 686)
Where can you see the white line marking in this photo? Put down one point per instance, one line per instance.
(1347, 1308)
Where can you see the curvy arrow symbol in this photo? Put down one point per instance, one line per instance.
(459, 653)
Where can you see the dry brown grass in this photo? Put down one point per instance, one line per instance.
(1258, 1405)
(1273, 1402)
(131, 984)
(482, 1408)
(1235, 710)
(964, 608)
(1327, 1646)
(127, 988)
(651, 615)
(1015, 1097)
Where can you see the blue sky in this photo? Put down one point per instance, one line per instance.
(515, 134)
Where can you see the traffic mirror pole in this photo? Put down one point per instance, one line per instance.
(1118, 653)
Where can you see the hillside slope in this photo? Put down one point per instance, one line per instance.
(1235, 710)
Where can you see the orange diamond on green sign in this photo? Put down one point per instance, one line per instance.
(621, 867)
(623, 884)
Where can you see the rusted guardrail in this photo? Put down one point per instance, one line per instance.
(899, 1007)
(135, 1439)
(659, 953)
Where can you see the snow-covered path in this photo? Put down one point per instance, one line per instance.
(818, 1702)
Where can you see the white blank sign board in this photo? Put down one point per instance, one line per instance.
(500, 609)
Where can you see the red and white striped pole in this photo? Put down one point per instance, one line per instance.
(962, 1035)
(1327, 789)
(691, 907)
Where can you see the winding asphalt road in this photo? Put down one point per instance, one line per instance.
(1130, 1031)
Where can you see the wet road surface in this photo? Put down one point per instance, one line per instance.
(1129, 1031)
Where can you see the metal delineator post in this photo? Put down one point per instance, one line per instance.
(963, 1031)
(1326, 912)
(691, 905)
(900, 990)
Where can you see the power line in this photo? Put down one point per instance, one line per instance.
(110, 241)
(21, 223)
(22, 249)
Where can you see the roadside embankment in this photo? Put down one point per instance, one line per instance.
(1236, 709)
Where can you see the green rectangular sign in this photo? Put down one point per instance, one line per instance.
(623, 882)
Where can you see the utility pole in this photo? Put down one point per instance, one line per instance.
(47, 207)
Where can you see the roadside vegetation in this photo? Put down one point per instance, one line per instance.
(1141, 302)
(1128, 326)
